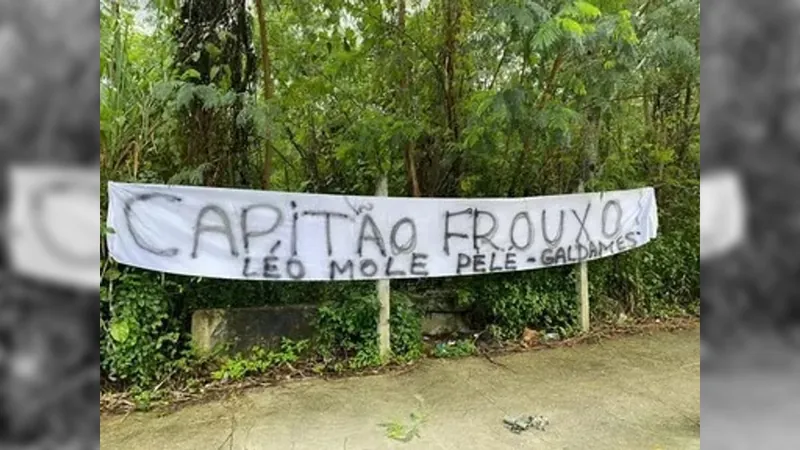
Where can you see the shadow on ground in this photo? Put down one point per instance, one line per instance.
(638, 392)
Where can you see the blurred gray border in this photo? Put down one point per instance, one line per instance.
(49, 114)
(750, 123)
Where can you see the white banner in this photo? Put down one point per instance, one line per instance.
(54, 224)
(258, 235)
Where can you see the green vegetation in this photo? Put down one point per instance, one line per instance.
(402, 432)
(449, 98)
(406, 431)
(259, 361)
(347, 329)
(455, 349)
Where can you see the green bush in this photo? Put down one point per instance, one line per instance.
(406, 328)
(658, 280)
(347, 328)
(508, 303)
(210, 293)
(140, 335)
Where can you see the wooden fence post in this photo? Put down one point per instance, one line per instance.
(592, 139)
(583, 286)
(384, 293)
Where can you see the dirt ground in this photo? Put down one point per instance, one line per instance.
(637, 392)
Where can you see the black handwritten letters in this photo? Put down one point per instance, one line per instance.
(370, 233)
(528, 230)
(483, 263)
(327, 215)
(607, 210)
(301, 237)
(225, 228)
(410, 244)
(352, 269)
(575, 253)
(134, 233)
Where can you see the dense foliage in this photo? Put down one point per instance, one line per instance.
(464, 98)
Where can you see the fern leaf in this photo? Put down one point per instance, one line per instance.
(539, 11)
(571, 26)
(588, 10)
(546, 36)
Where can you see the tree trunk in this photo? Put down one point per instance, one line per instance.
(408, 150)
(527, 148)
(592, 143)
(266, 68)
(451, 18)
(522, 162)
(237, 155)
(687, 122)
(450, 22)
(646, 103)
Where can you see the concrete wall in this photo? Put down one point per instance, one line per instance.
(242, 328)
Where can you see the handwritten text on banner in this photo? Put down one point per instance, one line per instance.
(258, 235)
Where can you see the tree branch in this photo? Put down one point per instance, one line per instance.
(500, 63)
(548, 87)
(297, 146)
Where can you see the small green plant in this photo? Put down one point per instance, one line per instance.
(235, 369)
(402, 432)
(365, 357)
(455, 349)
(405, 432)
(143, 398)
(142, 401)
(260, 361)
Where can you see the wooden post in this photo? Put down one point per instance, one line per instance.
(583, 287)
(592, 139)
(384, 294)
